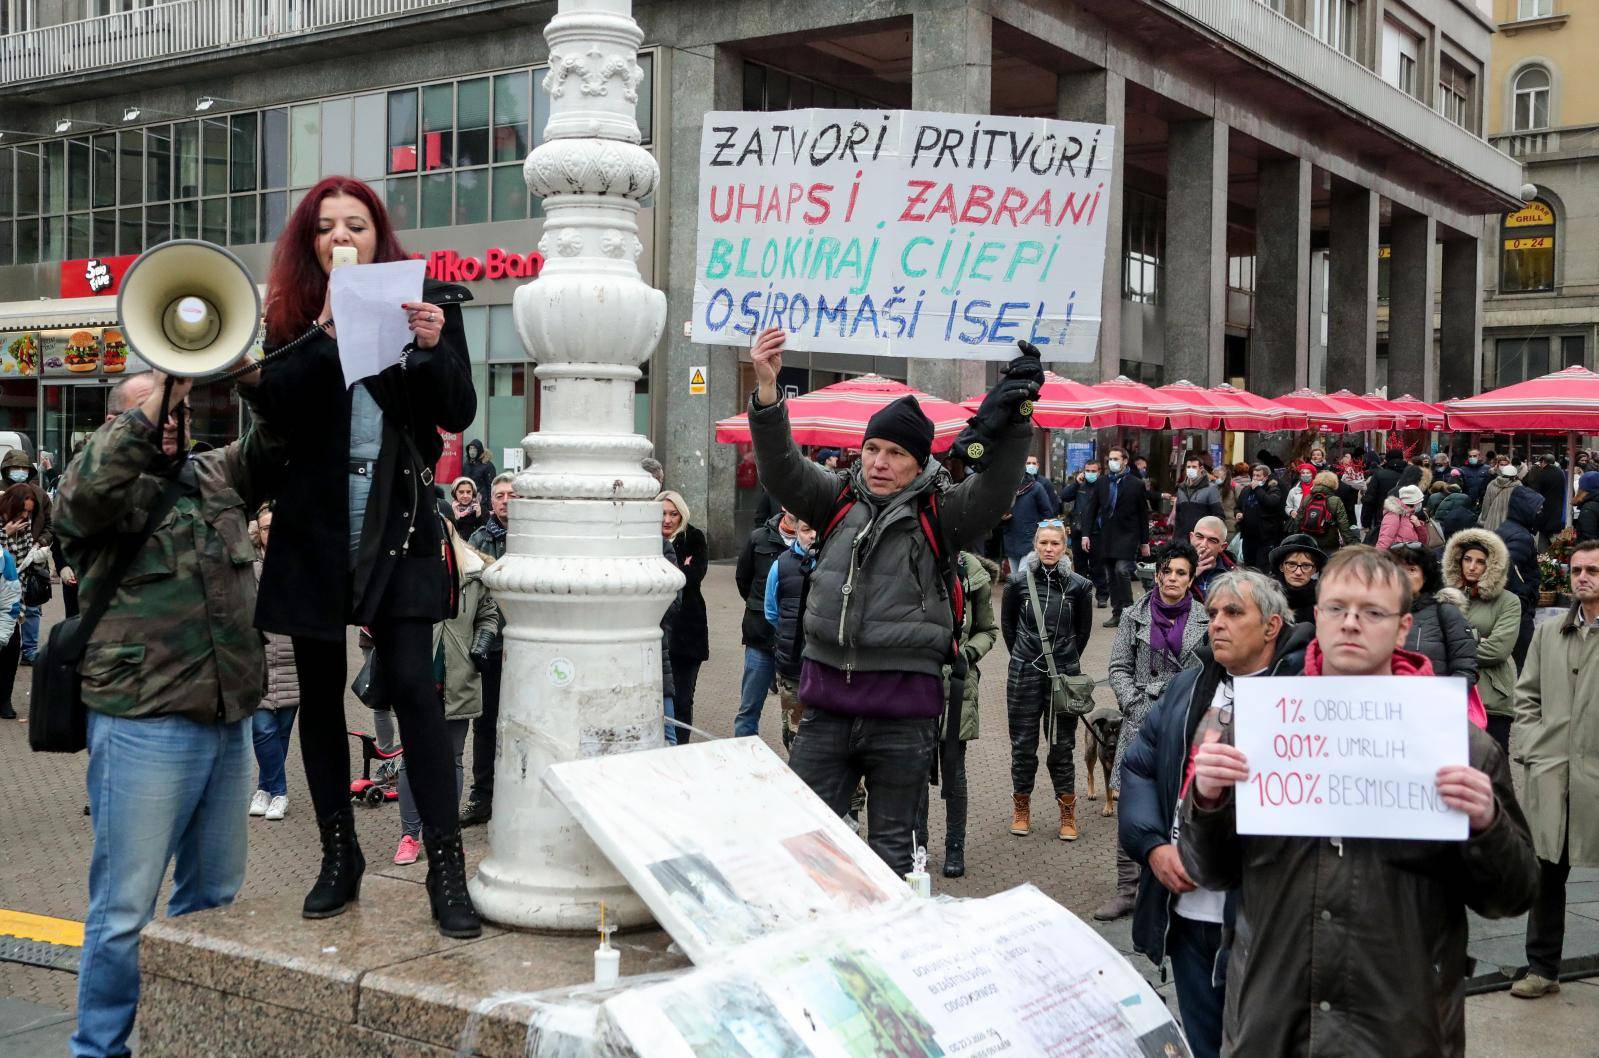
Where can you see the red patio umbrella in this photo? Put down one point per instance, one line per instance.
(1161, 408)
(1191, 407)
(1566, 401)
(1333, 414)
(1396, 417)
(1064, 404)
(1250, 411)
(837, 414)
(1433, 417)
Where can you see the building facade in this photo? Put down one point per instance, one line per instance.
(1267, 150)
(1541, 261)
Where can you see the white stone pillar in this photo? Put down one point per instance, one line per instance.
(583, 583)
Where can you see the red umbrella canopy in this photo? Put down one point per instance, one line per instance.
(1432, 415)
(1250, 411)
(1190, 407)
(837, 414)
(1064, 404)
(1564, 401)
(1395, 416)
(1331, 413)
(1160, 407)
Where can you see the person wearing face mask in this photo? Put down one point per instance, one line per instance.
(1075, 496)
(1475, 475)
(1496, 494)
(1299, 491)
(1260, 515)
(359, 539)
(1118, 511)
(1197, 497)
(1034, 502)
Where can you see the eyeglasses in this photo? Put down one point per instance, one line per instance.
(1052, 523)
(1364, 615)
(1299, 567)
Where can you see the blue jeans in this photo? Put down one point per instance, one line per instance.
(1193, 947)
(272, 728)
(671, 728)
(159, 788)
(30, 631)
(760, 667)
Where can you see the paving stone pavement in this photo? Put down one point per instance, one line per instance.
(46, 838)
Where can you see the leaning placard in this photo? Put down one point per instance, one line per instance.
(1349, 756)
(903, 233)
(722, 841)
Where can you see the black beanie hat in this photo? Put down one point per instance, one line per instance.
(905, 424)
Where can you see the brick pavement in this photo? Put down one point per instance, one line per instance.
(45, 838)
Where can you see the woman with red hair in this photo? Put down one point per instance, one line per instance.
(358, 538)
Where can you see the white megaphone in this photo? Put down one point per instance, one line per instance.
(189, 308)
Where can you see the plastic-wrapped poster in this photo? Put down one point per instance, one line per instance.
(723, 842)
(1010, 974)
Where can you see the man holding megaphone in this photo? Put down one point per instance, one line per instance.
(171, 671)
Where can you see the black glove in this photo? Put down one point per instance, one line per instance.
(1008, 403)
(482, 646)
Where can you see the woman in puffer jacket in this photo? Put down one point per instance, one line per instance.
(460, 646)
(273, 721)
(1477, 564)
(1438, 626)
(1402, 518)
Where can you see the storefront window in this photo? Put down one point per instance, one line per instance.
(52, 238)
(472, 196)
(130, 170)
(242, 163)
(1528, 261)
(274, 214)
(130, 234)
(1521, 359)
(401, 200)
(336, 137)
(241, 220)
(436, 200)
(438, 124)
(402, 131)
(275, 148)
(511, 118)
(53, 179)
(510, 193)
(214, 156)
(105, 233)
(77, 174)
(157, 224)
(367, 126)
(472, 120)
(186, 146)
(507, 401)
(305, 134)
(105, 170)
(8, 233)
(27, 180)
(158, 164)
(186, 221)
(27, 239)
(214, 220)
(8, 182)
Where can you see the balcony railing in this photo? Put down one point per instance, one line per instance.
(182, 27)
(1533, 143)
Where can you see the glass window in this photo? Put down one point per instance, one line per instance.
(274, 148)
(1527, 264)
(130, 236)
(510, 193)
(214, 220)
(1334, 22)
(336, 137)
(402, 131)
(274, 214)
(104, 243)
(214, 156)
(438, 127)
(480, 386)
(472, 118)
(105, 170)
(305, 144)
(8, 187)
(28, 242)
(541, 105)
(157, 224)
(1143, 244)
(186, 154)
(186, 220)
(53, 179)
(1532, 99)
(1454, 93)
(511, 138)
(366, 123)
(436, 200)
(77, 174)
(241, 220)
(475, 322)
(1521, 359)
(27, 179)
(52, 239)
(158, 163)
(755, 87)
(130, 173)
(401, 200)
(646, 100)
(800, 94)
(1534, 8)
(507, 406)
(1572, 351)
(242, 164)
(471, 196)
(503, 343)
(8, 232)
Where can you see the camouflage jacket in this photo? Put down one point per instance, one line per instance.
(178, 637)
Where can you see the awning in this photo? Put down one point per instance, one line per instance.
(57, 314)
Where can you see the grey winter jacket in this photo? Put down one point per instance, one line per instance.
(282, 678)
(877, 602)
(1439, 630)
(1202, 501)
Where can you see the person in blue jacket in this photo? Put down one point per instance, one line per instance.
(1251, 634)
(785, 590)
(10, 630)
(1035, 502)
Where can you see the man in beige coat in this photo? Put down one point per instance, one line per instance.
(1557, 730)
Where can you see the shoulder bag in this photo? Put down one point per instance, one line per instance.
(1070, 695)
(58, 722)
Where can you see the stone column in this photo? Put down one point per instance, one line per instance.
(1279, 344)
(583, 583)
(1460, 318)
(1100, 96)
(1194, 296)
(952, 70)
(1412, 362)
(1352, 290)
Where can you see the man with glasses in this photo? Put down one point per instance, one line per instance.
(1557, 732)
(1210, 541)
(1356, 945)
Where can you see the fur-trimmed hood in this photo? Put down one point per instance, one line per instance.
(1031, 562)
(1393, 505)
(1493, 578)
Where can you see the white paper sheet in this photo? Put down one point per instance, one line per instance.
(372, 328)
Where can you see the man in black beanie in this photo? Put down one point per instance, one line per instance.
(878, 619)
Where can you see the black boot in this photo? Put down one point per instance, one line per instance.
(446, 885)
(955, 838)
(339, 882)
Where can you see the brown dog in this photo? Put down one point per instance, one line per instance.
(1102, 727)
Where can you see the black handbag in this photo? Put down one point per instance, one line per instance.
(36, 590)
(58, 722)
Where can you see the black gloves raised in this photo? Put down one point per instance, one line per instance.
(1008, 403)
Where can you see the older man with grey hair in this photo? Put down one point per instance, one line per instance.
(1209, 537)
(1251, 634)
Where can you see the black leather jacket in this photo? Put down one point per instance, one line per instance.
(1067, 599)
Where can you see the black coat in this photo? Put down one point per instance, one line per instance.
(1382, 482)
(1119, 532)
(760, 551)
(1522, 518)
(1262, 508)
(1587, 520)
(480, 470)
(690, 637)
(1550, 483)
(1439, 630)
(307, 586)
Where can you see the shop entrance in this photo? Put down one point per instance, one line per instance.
(71, 413)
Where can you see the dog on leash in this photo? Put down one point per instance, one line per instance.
(1104, 726)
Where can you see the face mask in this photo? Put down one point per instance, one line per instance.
(1508, 470)
(1031, 469)
(18, 476)
(1090, 476)
(1115, 466)
(1305, 478)
(1474, 461)
(1193, 474)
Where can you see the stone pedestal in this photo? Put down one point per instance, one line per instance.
(255, 980)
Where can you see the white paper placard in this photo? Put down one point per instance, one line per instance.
(373, 330)
(903, 233)
(722, 841)
(1349, 756)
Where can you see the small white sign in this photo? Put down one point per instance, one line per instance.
(696, 381)
(512, 458)
(1350, 756)
(562, 672)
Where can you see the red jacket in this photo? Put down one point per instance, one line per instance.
(1406, 663)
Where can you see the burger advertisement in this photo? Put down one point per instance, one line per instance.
(75, 352)
(113, 351)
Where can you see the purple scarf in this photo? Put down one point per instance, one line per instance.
(1166, 624)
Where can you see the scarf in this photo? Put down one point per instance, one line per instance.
(492, 528)
(461, 510)
(1496, 501)
(1166, 624)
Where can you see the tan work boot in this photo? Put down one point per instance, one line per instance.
(1021, 823)
(1534, 986)
(1068, 816)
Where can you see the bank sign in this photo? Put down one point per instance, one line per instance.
(449, 266)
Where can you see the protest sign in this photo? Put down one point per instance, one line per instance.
(903, 233)
(1349, 756)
